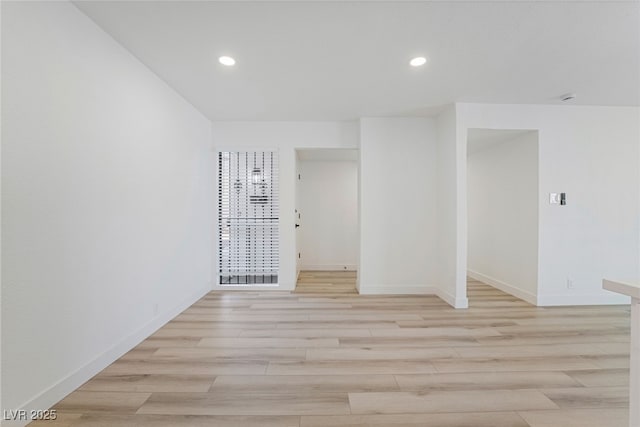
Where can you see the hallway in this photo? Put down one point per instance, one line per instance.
(483, 295)
(327, 282)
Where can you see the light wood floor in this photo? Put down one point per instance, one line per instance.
(275, 359)
(334, 282)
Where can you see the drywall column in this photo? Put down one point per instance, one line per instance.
(451, 230)
(631, 289)
(398, 230)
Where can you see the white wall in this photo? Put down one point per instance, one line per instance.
(398, 230)
(591, 153)
(451, 223)
(328, 202)
(285, 137)
(107, 210)
(502, 208)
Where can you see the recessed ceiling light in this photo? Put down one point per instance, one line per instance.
(418, 61)
(227, 60)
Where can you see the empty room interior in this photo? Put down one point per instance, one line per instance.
(320, 213)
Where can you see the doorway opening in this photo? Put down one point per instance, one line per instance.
(327, 243)
(502, 216)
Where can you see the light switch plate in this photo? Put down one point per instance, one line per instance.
(554, 198)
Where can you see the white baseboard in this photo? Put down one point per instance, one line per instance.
(52, 395)
(549, 300)
(414, 290)
(604, 298)
(330, 267)
(504, 287)
(455, 302)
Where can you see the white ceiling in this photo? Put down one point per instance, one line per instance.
(481, 139)
(345, 60)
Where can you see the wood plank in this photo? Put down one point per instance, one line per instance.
(326, 358)
(149, 383)
(448, 401)
(141, 420)
(270, 403)
(611, 417)
(304, 383)
(101, 401)
(486, 381)
(473, 419)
